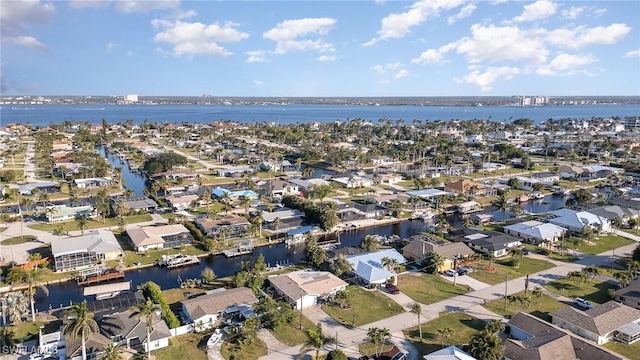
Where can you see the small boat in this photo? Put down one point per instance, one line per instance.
(167, 259)
(523, 198)
(214, 339)
(537, 195)
(561, 192)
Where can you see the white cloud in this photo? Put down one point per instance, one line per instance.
(431, 56)
(290, 35)
(394, 66)
(145, 6)
(581, 36)
(30, 42)
(256, 56)
(539, 10)
(632, 54)
(195, 38)
(402, 73)
(379, 69)
(566, 65)
(464, 13)
(486, 79)
(327, 58)
(112, 46)
(398, 25)
(17, 16)
(572, 12)
(80, 4)
(495, 43)
(258, 83)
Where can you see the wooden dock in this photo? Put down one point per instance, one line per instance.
(236, 252)
(191, 261)
(95, 279)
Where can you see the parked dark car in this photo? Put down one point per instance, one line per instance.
(392, 289)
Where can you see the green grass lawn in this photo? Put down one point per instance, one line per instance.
(369, 348)
(17, 240)
(92, 224)
(188, 346)
(596, 291)
(527, 266)
(366, 307)
(428, 289)
(290, 334)
(602, 244)
(630, 351)
(462, 325)
(29, 330)
(252, 351)
(539, 307)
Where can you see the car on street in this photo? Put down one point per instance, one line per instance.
(392, 288)
(450, 272)
(582, 304)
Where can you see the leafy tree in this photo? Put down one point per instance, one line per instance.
(513, 183)
(7, 337)
(81, 325)
(16, 306)
(29, 278)
(576, 276)
(316, 340)
(583, 196)
(591, 272)
(208, 275)
(336, 354)
(635, 256)
(163, 162)
(486, 346)
(516, 257)
(341, 265)
(433, 262)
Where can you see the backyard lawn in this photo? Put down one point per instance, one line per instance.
(596, 291)
(190, 346)
(252, 351)
(630, 351)
(601, 244)
(290, 334)
(463, 326)
(539, 306)
(503, 266)
(428, 289)
(92, 224)
(367, 306)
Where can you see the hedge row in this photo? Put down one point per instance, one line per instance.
(152, 291)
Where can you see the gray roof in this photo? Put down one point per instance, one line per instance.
(214, 303)
(448, 250)
(630, 291)
(99, 241)
(601, 319)
(494, 243)
(141, 203)
(612, 211)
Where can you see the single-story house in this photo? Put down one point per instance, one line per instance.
(486, 242)
(368, 266)
(614, 211)
(575, 221)
(626, 202)
(287, 218)
(159, 237)
(304, 288)
(630, 294)
(306, 184)
(229, 226)
(233, 195)
(182, 201)
(280, 188)
(59, 213)
(468, 207)
(547, 178)
(234, 170)
(352, 182)
(533, 338)
(449, 353)
(387, 178)
(535, 232)
(219, 304)
(81, 252)
(420, 245)
(490, 166)
(602, 323)
(89, 183)
(466, 187)
(137, 204)
(174, 175)
(43, 187)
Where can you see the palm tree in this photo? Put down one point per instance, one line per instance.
(378, 336)
(445, 333)
(81, 325)
(502, 203)
(623, 277)
(537, 292)
(146, 310)
(30, 279)
(516, 256)
(16, 307)
(112, 352)
(83, 223)
(316, 340)
(486, 346)
(417, 309)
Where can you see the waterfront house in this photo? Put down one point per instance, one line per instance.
(93, 248)
(59, 213)
(602, 323)
(468, 207)
(632, 203)
(420, 246)
(535, 232)
(533, 338)
(91, 183)
(547, 178)
(178, 174)
(353, 182)
(369, 269)
(575, 221)
(234, 171)
(219, 304)
(280, 188)
(182, 201)
(48, 187)
(469, 188)
(137, 204)
(159, 237)
(230, 226)
(303, 288)
(485, 241)
(614, 212)
(570, 172)
(386, 178)
(282, 218)
(221, 193)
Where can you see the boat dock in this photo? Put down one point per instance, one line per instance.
(185, 261)
(237, 252)
(107, 291)
(95, 279)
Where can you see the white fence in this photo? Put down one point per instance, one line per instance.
(181, 330)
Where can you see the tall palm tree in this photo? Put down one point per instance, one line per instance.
(146, 310)
(81, 325)
(31, 278)
(316, 340)
(378, 336)
(417, 309)
(445, 333)
(502, 203)
(83, 223)
(112, 352)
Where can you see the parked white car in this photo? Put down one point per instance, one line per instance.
(582, 304)
(450, 272)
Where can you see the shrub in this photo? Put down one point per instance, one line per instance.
(152, 291)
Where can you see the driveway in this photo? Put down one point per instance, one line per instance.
(466, 280)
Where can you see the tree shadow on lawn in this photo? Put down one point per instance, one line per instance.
(601, 296)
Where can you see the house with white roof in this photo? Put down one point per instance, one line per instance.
(368, 266)
(59, 213)
(353, 182)
(85, 251)
(304, 288)
(449, 353)
(535, 232)
(158, 237)
(575, 221)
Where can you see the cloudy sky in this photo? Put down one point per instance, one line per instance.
(320, 48)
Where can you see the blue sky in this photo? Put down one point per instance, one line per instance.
(320, 48)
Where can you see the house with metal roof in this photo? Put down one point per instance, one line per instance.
(369, 269)
(535, 232)
(93, 248)
(303, 288)
(602, 323)
(575, 221)
(43, 187)
(59, 213)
